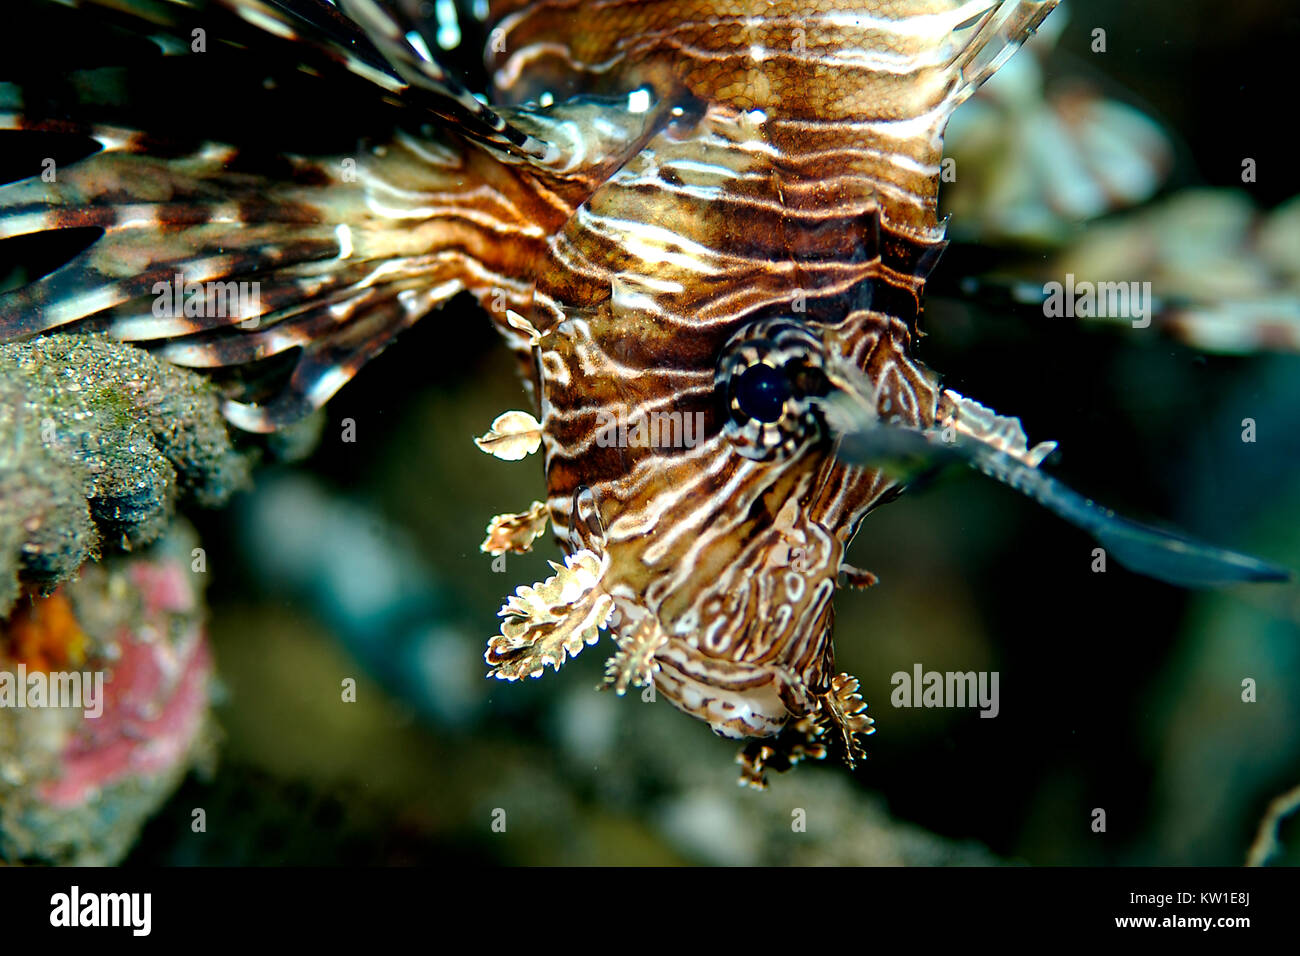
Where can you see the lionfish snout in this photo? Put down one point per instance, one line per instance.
(748, 647)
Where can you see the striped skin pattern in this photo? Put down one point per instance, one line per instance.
(667, 196)
(796, 176)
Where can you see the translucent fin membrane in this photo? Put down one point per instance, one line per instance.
(370, 41)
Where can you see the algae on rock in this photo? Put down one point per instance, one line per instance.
(98, 440)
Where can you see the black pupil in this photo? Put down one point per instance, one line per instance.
(761, 392)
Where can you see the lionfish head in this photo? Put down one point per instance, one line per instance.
(707, 483)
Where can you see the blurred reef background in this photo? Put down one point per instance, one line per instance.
(360, 561)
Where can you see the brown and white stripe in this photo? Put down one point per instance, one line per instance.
(657, 176)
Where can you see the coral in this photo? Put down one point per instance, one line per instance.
(1267, 843)
(77, 783)
(98, 440)
(45, 635)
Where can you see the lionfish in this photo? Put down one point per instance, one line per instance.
(714, 212)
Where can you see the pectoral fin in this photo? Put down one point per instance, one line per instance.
(1165, 555)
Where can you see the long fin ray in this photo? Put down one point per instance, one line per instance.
(370, 41)
(327, 363)
(389, 31)
(346, 245)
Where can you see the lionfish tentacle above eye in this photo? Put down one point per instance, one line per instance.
(996, 445)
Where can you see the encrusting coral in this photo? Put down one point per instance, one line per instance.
(126, 641)
(98, 440)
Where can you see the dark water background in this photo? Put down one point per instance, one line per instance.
(1116, 692)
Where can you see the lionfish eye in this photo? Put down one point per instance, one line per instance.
(762, 391)
(768, 374)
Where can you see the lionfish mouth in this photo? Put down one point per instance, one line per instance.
(736, 699)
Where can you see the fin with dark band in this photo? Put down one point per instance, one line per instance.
(224, 255)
